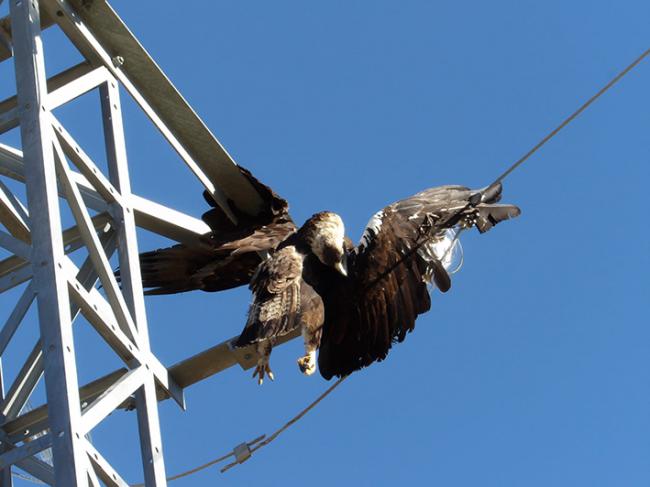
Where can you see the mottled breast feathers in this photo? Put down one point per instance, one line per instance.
(276, 297)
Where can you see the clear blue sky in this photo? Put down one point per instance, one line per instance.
(533, 369)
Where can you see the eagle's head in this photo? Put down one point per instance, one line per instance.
(325, 234)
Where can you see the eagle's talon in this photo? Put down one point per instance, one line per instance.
(260, 371)
(306, 365)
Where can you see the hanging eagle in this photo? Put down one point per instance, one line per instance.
(351, 303)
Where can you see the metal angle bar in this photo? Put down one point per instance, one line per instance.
(103, 469)
(29, 421)
(34, 421)
(118, 170)
(115, 37)
(16, 277)
(5, 26)
(35, 364)
(145, 396)
(224, 168)
(8, 120)
(153, 461)
(29, 449)
(99, 316)
(84, 163)
(37, 469)
(16, 316)
(79, 86)
(31, 372)
(5, 43)
(17, 206)
(112, 397)
(23, 384)
(41, 426)
(103, 267)
(212, 361)
(15, 246)
(218, 358)
(14, 270)
(71, 241)
(166, 381)
(12, 165)
(148, 214)
(93, 480)
(13, 215)
(5, 474)
(166, 221)
(8, 106)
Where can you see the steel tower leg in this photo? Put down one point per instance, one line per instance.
(62, 290)
(146, 401)
(49, 280)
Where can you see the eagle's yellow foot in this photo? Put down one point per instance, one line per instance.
(307, 364)
(262, 369)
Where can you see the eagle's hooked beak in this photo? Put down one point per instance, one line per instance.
(342, 266)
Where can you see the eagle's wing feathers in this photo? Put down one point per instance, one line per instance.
(404, 247)
(276, 297)
(227, 256)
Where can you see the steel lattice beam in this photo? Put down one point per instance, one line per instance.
(55, 168)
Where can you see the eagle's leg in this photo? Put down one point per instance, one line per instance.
(264, 351)
(307, 363)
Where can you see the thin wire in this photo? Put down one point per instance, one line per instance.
(258, 440)
(571, 117)
(192, 471)
(293, 420)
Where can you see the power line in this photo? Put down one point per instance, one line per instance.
(244, 451)
(571, 117)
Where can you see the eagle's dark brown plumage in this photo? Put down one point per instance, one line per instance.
(226, 257)
(386, 289)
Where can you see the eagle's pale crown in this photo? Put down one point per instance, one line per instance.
(326, 238)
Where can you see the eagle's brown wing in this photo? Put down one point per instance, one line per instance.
(227, 256)
(276, 297)
(389, 271)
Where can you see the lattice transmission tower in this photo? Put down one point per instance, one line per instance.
(56, 171)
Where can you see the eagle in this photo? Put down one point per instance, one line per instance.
(351, 303)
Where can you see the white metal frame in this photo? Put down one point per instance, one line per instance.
(52, 165)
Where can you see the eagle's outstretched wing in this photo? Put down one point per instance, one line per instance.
(403, 248)
(227, 256)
